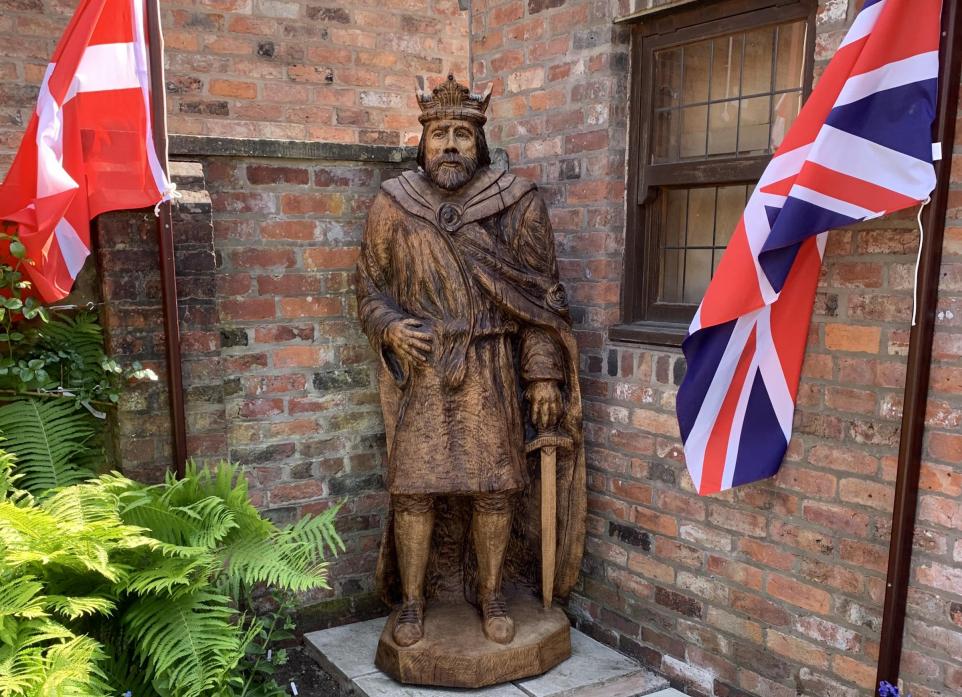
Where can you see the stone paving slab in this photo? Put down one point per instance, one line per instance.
(591, 663)
(380, 685)
(594, 670)
(641, 682)
(346, 652)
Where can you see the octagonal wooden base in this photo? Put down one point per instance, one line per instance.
(455, 653)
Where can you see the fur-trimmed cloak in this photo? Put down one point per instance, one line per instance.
(478, 269)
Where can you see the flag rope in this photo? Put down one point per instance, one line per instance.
(918, 262)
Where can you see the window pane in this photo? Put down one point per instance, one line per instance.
(716, 260)
(731, 205)
(698, 270)
(664, 142)
(697, 64)
(672, 270)
(694, 131)
(790, 63)
(753, 127)
(668, 78)
(726, 68)
(701, 217)
(787, 107)
(675, 217)
(757, 77)
(723, 128)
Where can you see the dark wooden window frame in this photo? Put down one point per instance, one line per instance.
(666, 324)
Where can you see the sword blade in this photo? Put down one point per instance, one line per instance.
(549, 495)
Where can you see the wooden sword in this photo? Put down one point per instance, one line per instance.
(548, 443)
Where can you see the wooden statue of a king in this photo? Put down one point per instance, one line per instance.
(458, 292)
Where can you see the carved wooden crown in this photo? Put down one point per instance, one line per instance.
(452, 100)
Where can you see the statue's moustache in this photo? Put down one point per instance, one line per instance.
(451, 177)
(453, 158)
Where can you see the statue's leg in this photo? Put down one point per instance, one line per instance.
(490, 532)
(413, 523)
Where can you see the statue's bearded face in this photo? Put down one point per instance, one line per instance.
(450, 152)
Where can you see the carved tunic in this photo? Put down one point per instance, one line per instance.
(459, 426)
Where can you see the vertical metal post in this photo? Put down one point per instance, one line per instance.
(165, 236)
(919, 360)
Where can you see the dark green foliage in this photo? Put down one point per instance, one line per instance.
(108, 585)
(140, 586)
(53, 383)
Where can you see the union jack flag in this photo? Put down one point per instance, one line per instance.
(860, 148)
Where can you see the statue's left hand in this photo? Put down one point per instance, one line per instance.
(544, 399)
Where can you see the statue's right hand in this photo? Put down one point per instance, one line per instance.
(407, 338)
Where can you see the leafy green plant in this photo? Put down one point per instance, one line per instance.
(55, 379)
(50, 439)
(143, 588)
(108, 586)
(63, 356)
(58, 558)
(272, 627)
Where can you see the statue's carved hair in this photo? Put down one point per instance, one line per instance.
(480, 144)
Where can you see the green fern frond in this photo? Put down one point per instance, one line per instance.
(46, 437)
(27, 533)
(19, 670)
(190, 639)
(289, 559)
(75, 607)
(21, 596)
(226, 481)
(77, 529)
(71, 669)
(8, 477)
(318, 532)
(165, 576)
(199, 524)
(83, 506)
(266, 561)
(80, 339)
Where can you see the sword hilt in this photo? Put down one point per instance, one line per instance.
(550, 439)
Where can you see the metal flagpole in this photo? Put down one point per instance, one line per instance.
(919, 360)
(165, 236)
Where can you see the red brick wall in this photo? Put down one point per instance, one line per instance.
(293, 69)
(277, 375)
(776, 588)
(297, 373)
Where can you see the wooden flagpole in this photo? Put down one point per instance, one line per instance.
(165, 236)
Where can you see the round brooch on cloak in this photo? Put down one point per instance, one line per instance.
(449, 217)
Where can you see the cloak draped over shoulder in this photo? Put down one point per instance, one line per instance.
(477, 269)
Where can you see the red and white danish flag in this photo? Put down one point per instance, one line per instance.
(89, 145)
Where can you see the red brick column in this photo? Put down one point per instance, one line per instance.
(127, 259)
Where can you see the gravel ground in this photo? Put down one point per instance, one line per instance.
(311, 680)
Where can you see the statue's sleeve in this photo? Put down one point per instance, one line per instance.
(541, 357)
(376, 308)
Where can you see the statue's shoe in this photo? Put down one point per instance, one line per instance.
(497, 625)
(409, 625)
